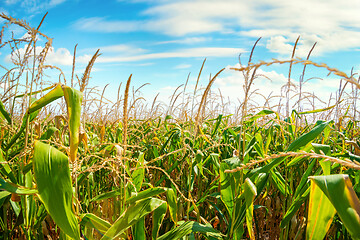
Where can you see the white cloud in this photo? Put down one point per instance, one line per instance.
(181, 53)
(10, 2)
(333, 24)
(60, 56)
(123, 48)
(101, 24)
(35, 6)
(183, 66)
(189, 40)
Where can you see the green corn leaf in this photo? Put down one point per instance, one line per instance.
(49, 133)
(73, 100)
(318, 110)
(295, 145)
(5, 169)
(158, 217)
(171, 199)
(92, 221)
(338, 189)
(217, 124)
(139, 230)
(150, 192)
(300, 159)
(326, 149)
(13, 188)
(260, 181)
(106, 195)
(304, 178)
(4, 195)
(51, 96)
(262, 113)
(188, 228)
(227, 191)
(318, 148)
(294, 207)
(138, 175)
(34, 92)
(28, 202)
(4, 113)
(320, 214)
(52, 175)
(131, 216)
(250, 193)
(280, 183)
(307, 137)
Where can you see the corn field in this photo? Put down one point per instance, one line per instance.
(74, 166)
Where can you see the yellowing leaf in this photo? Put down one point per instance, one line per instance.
(339, 191)
(73, 100)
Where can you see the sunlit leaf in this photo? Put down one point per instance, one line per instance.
(4, 113)
(90, 220)
(52, 175)
(250, 193)
(158, 217)
(73, 100)
(51, 96)
(338, 189)
(150, 192)
(190, 227)
(131, 216)
(320, 214)
(13, 188)
(307, 137)
(172, 201)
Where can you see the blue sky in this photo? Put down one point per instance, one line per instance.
(161, 42)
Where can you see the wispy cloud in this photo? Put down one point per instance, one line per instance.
(36, 6)
(183, 66)
(181, 53)
(10, 2)
(123, 49)
(189, 40)
(333, 24)
(101, 24)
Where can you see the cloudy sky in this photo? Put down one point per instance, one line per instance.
(161, 42)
